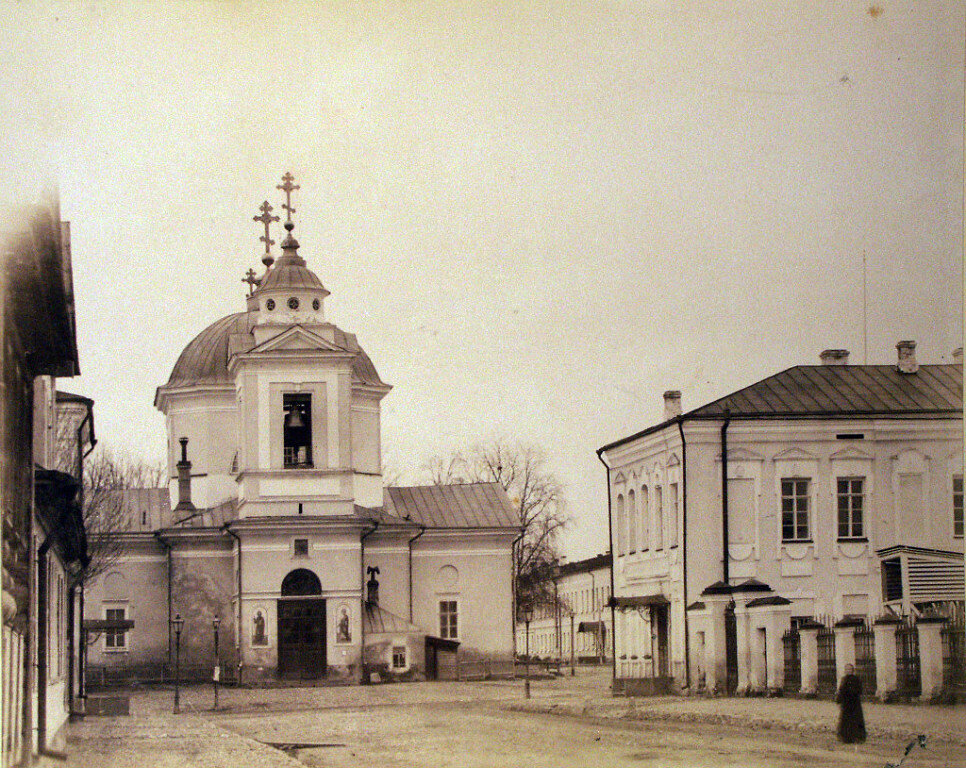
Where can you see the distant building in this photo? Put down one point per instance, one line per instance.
(831, 490)
(580, 620)
(42, 444)
(277, 524)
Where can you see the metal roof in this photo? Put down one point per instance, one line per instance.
(835, 391)
(290, 272)
(379, 620)
(205, 359)
(467, 505)
(587, 565)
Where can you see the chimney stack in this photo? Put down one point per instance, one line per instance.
(958, 356)
(672, 404)
(907, 357)
(184, 480)
(834, 357)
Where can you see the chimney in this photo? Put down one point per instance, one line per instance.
(834, 357)
(958, 356)
(907, 357)
(672, 404)
(184, 480)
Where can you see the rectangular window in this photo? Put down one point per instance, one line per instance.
(795, 509)
(850, 507)
(301, 548)
(399, 657)
(115, 639)
(658, 518)
(958, 506)
(448, 620)
(297, 430)
(672, 519)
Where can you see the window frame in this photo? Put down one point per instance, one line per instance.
(850, 510)
(449, 632)
(795, 497)
(405, 657)
(302, 401)
(295, 548)
(112, 638)
(958, 522)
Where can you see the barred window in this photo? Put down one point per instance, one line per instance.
(850, 507)
(795, 509)
(448, 620)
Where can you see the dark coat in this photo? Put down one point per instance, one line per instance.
(851, 722)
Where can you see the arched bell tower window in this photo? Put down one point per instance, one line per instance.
(297, 430)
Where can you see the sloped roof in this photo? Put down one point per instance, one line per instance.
(466, 505)
(152, 505)
(587, 565)
(379, 620)
(205, 359)
(835, 391)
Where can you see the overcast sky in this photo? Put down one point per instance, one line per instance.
(536, 217)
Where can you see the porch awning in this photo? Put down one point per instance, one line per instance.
(637, 601)
(596, 627)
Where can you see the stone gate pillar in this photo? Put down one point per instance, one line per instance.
(930, 655)
(886, 678)
(808, 633)
(844, 646)
(717, 598)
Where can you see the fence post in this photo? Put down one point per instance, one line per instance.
(931, 655)
(886, 678)
(844, 646)
(808, 633)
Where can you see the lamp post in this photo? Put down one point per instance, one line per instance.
(573, 666)
(527, 617)
(178, 626)
(216, 673)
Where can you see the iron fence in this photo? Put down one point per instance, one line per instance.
(792, 642)
(865, 658)
(908, 678)
(954, 655)
(827, 679)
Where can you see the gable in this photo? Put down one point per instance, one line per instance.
(298, 339)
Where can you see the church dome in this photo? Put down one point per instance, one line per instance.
(205, 359)
(290, 273)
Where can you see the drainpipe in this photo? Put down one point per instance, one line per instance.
(422, 530)
(613, 565)
(362, 580)
(42, 643)
(238, 620)
(75, 618)
(168, 547)
(684, 552)
(513, 590)
(724, 497)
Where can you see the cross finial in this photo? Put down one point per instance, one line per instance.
(288, 187)
(266, 218)
(251, 280)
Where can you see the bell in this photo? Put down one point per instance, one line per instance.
(293, 419)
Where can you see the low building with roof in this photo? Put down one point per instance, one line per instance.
(276, 518)
(830, 490)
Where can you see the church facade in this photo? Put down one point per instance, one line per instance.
(276, 552)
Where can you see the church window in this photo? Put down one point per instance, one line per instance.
(316, 304)
(399, 657)
(293, 303)
(297, 430)
(448, 620)
(301, 548)
(115, 639)
(270, 305)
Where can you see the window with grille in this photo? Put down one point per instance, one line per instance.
(795, 509)
(850, 507)
(301, 548)
(448, 620)
(116, 639)
(958, 506)
(399, 657)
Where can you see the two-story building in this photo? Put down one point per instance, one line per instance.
(824, 490)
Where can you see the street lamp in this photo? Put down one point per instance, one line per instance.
(527, 618)
(178, 623)
(215, 622)
(573, 666)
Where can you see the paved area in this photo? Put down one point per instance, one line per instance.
(568, 721)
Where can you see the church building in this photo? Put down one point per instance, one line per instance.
(277, 553)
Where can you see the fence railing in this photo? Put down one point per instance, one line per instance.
(954, 655)
(827, 676)
(865, 658)
(792, 642)
(13, 650)
(908, 674)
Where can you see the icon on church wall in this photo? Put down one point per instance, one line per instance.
(343, 633)
(258, 629)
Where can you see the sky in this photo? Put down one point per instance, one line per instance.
(537, 217)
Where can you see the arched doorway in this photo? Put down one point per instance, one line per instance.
(301, 627)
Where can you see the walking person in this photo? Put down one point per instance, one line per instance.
(851, 721)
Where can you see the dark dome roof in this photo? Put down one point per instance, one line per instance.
(205, 359)
(290, 275)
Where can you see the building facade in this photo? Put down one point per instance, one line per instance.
(577, 625)
(822, 491)
(42, 444)
(277, 527)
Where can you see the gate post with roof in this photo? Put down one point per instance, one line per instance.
(716, 598)
(746, 675)
(808, 632)
(886, 675)
(844, 645)
(931, 655)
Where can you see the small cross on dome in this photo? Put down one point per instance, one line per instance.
(288, 187)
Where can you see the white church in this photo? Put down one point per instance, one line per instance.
(277, 536)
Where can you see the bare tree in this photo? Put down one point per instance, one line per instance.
(537, 497)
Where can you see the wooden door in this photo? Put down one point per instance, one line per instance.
(301, 639)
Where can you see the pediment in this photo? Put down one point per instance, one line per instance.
(673, 460)
(297, 339)
(795, 454)
(744, 454)
(851, 453)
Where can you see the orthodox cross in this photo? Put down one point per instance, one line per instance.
(288, 187)
(266, 218)
(251, 280)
